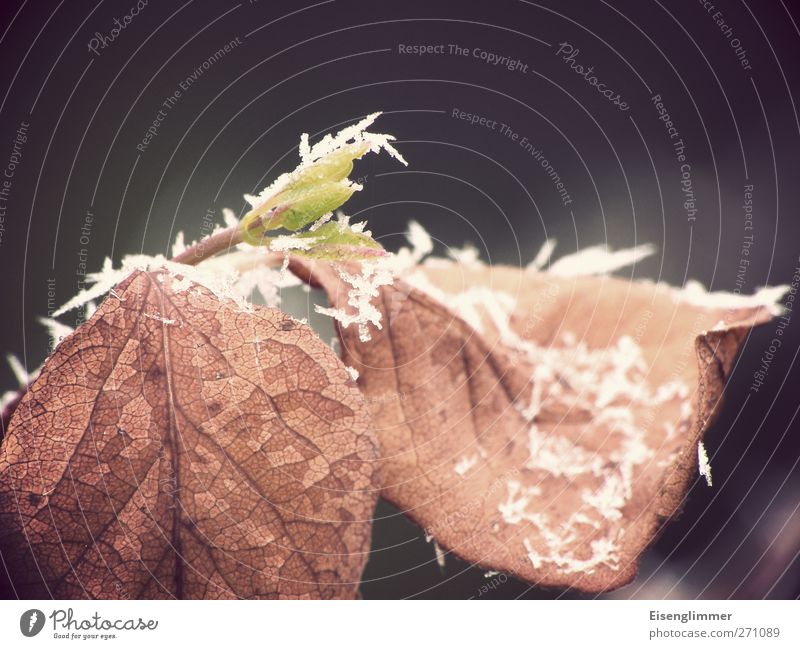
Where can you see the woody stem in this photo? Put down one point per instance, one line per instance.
(211, 245)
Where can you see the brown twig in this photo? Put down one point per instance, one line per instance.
(211, 245)
(226, 239)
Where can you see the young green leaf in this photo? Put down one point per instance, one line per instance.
(336, 241)
(317, 187)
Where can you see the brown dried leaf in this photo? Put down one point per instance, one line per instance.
(176, 446)
(553, 437)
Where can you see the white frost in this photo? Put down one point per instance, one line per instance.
(558, 456)
(515, 508)
(19, 371)
(179, 245)
(465, 464)
(57, 330)
(407, 258)
(468, 256)
(441, 556)
(603, 551)
(9, 396)
(598, 260)
(703, 465)
(695, 293)
(229, 217)
(354, 134)
(161, 319)
(219, 280)
(253, 274)
(543, 256)
(420, 240)
(322, 220)
(286, 243)
(364, 287)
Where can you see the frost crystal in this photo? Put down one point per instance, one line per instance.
(421, 245)
(179, 245)
(350, 136)
(20, 373)
(607, 384)
(598, 260)
(603, 550)
(57, 330)
(515, 508)
(441, 556)
(543, 256)
(229, 217)
(322, 220)
(703, 464)
(420, 240)
(161, 319)
(253, 274)
(695, 293)
(285, 243)
(466, 463)
(8, 397)
(219, 280)
(364, 287)
(353, 134)
(467, 256)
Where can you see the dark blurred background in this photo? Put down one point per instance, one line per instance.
(727, 75)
